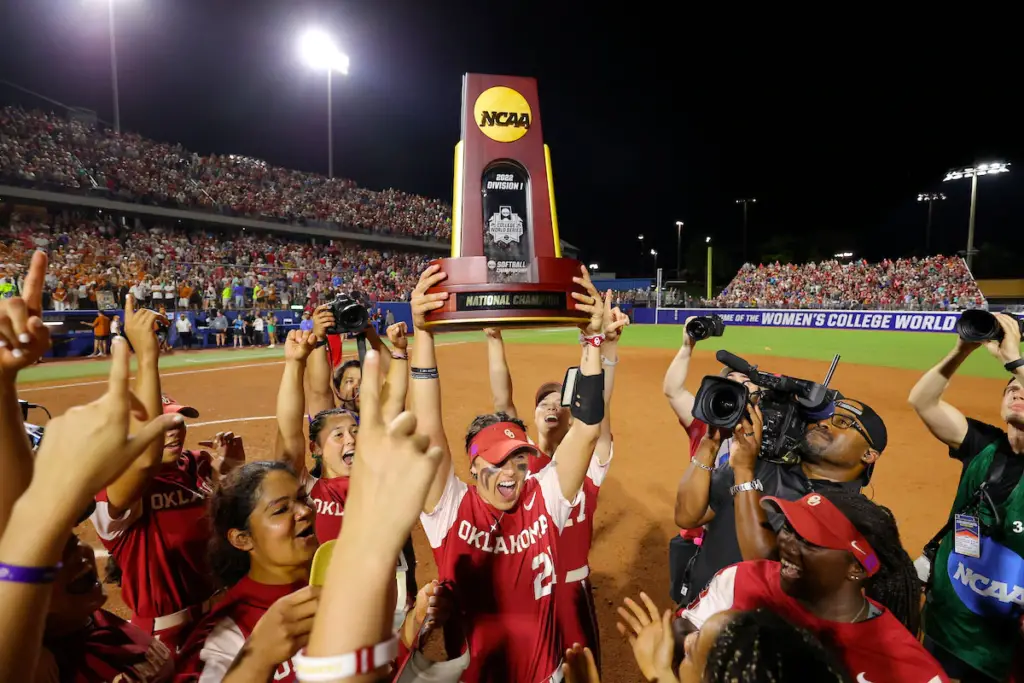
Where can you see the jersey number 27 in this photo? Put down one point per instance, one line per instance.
(544, 579)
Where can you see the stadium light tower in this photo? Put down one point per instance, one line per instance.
(113, 66)
(319, 52)
(707, 241)
(931, 198)
(654, 253)
(679, 249)
(973, 172)
(745, 202)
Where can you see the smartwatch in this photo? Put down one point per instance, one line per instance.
(753, 485)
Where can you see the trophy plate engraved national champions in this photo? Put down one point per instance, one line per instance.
(506, 267)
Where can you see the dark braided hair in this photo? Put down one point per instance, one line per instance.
(230, 508)
(759, 646)
(895, 586)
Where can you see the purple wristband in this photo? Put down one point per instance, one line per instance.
(16, 574)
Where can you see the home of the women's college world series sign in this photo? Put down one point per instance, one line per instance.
(506, 267)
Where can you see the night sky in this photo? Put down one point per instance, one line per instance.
(652, 117)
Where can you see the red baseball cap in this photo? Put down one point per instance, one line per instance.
(820, 522)
(498, 441)
(172, 406)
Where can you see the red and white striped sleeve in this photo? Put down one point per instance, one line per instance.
(719, 596)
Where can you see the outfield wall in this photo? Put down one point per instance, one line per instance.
(894, 321)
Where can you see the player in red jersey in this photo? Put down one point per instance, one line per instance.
(575, 608)
(152, 519)
(843, 575)
(332, 435)
(85, 644)
(498, 541)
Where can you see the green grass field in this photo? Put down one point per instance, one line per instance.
(909, 350)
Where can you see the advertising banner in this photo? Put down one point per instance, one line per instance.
(895, 321)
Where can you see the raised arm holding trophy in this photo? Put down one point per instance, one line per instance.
(506, 267)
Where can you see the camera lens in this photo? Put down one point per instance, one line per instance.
(722, 405)
(977, 326)
(698, 329)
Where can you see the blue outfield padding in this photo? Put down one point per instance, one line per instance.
(902, 321)
(72, 336)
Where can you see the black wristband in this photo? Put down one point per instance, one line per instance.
(588, 399)
(1014, 364)
(322, 342)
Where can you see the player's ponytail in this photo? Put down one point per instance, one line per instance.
(230, 508)
(895, 586)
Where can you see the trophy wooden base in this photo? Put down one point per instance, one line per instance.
(474, 304)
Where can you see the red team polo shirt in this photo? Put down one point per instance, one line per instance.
(503, 569)
(110, 649)
(160, 543)
(878, 650)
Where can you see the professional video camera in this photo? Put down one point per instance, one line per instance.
(787, 404)
(350, 314)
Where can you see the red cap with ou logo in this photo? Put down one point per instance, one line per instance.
(498, 441)
(172, 406)
(820, 522)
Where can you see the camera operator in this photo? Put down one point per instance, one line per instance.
(684, 546)
(836, 452)
(974, 596)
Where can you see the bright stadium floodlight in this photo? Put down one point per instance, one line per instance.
(593, 266)
(113, 66)
(654, 252)
(319, 52)
(679, 248)
(845, 254)
(973, 172)
(707, 240)
(931, 198)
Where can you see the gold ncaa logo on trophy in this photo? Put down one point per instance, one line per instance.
(502, 114)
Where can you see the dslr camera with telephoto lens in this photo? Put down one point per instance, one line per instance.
(788, 405)
(350, 314)
(979, 326)
(704, 326)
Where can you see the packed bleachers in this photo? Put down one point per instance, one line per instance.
(91, 256)
(931, 283)
(45, 150)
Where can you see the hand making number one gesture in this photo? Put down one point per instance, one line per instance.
(599, 308)
(23, 336)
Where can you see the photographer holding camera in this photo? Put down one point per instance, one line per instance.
(974, 566)
(817, 441)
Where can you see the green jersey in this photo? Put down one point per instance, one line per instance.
(975, 603)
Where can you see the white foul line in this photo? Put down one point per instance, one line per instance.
(233, 419)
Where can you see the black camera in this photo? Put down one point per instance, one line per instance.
(788, 405)
(704, 326)
(978, 326)
(350, 315)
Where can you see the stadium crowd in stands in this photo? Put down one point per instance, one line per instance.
(931, 283)
(39, 149)
(95, 257)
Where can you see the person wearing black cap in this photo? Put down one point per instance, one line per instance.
(974, 566)
(837, 452)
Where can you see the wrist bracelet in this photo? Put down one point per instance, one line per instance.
(364, 660)
(1014, 364)
(37, 575)
(322, 342)
(701, 465)
(423, 373)
(609, 363)
(399, 356)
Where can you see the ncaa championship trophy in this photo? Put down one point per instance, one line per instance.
(506, 267)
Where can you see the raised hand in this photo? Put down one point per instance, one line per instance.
(323, 320)
(397, 335)
(23, 336)
(299, 344)
(423, 303)
(86, 448)
(140, 326)
(650, 635)
(493, 332)
(579, 665)
(1007, 349)
(614, 321)
(591, 303)
(393, 469)
(285, 628)
(230, 451)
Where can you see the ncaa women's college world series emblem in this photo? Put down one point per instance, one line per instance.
(506, 266)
